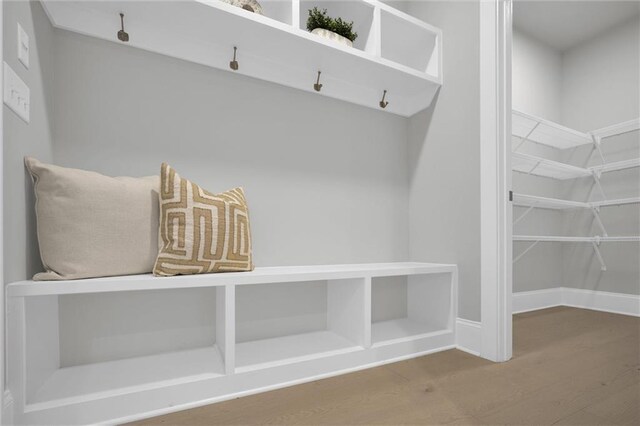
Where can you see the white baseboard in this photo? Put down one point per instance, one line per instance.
(617, 303)
(526, 301)
(469, 336)
(469, 333)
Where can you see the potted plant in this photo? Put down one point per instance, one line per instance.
(250, 5)
(321, 24)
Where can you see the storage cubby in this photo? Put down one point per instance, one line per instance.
(407, 307)
(361, 13)
(280, 323)
(393, 51)
(102, 350)
(280, 10)
(90, 344)
(409, 42)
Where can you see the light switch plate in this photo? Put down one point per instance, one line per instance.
(23, 46)
(16, 93)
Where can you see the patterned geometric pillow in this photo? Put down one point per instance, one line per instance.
(201, 232)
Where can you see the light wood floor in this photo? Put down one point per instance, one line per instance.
(570, 366)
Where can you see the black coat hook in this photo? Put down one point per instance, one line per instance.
(234, 64)
(318, 86)
(383, 103)
(122, 35)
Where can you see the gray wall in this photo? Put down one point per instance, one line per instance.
(22, 258)
(595, 84)
(601, 87)
(537, 86)
(444, 156)
(600, 79)
(537, 77)
(326, 180)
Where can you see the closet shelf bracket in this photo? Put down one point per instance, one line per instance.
(597, 174)
(596, 217)
(525, 251)
(596, 249)
(595, 243)
(526, 138)
(522, 216)
(597, 145)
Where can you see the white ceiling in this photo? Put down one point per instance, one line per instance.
(564, 24)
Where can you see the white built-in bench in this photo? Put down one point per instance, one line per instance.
(123, 348)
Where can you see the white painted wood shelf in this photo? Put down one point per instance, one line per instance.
(385, 332)
(260, 275)
(92, 381)
(266, 353)
(292, 338)
(394, 51)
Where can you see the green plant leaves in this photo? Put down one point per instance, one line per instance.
(319, 19)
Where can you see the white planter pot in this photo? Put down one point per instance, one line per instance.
(332, 36)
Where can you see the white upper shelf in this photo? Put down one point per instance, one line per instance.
(524, 200)
(546, 132)
(560, 239)
(394, 51)
(538, 166)
(616, 202)
(618, 129)
(618, 165)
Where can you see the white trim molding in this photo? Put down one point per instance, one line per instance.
(617, 303)
(469, 336)
(525, 301)
(495, 179)
(4, 419)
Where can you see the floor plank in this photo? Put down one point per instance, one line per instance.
(570, 367)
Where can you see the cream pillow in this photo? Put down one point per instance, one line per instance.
(91, 225)
(201, 232)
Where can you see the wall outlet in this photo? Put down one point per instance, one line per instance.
(16, 93)
(23, 46)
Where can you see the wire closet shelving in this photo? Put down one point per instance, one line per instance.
(529, 128)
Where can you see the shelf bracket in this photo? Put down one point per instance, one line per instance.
(526, 138)
(597, 143)
(596, 177)
(526, 212)
(532, 245)
(533, 169)
(596, 249)
(596, 217)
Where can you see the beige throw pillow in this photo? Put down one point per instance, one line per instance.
(91, 225)
(201, 232)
